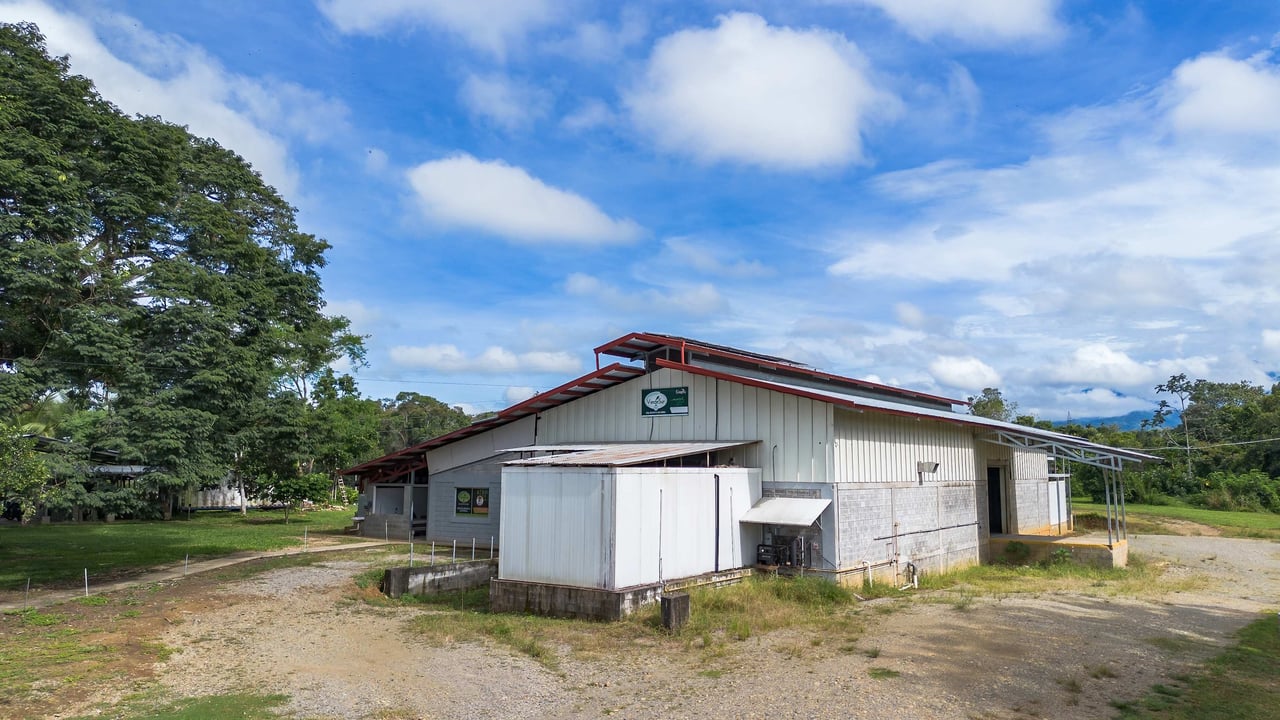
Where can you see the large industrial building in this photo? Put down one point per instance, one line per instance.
(688, 461)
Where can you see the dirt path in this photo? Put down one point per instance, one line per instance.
(294, 630)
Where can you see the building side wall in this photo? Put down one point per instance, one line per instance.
(888, 513)
(1031, 489)
(795, 433)
(665, 523)
(482, 446)
(557, 525)
(876, 448)
(444, 524)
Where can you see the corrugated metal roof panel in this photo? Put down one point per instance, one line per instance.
(623, 454)
(785, 511)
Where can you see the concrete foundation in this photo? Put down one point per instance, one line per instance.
(428, 579)
(1039, 548)
(514, 596)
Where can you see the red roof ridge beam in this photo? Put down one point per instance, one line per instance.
(766, 385)
(696, 346)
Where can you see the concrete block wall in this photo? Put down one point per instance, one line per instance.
(428, 579)
(936, 526)
(514, 596)
(394, 527)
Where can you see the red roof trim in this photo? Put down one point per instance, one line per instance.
(594, 381)
(613, 348)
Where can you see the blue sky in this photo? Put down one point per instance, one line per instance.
(1068, 200)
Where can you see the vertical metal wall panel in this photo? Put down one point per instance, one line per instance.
(799, 427)
(564, 536)
(879, 448)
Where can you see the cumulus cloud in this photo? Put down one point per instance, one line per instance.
(488, 25)
(150, 74)
(1271, 339)
(500, 199)
(1218, 94)
(963, 373)
(360, 314)
(502, 101)
(974, 21)
(494, 359)
(1099, 364)
(745, 91)
(592, 113)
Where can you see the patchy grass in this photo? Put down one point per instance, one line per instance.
(880, 673)
(1242, 683)
(56, 556)
(720, 618)
(1138, 580)
(209, 707)
(1151, 519)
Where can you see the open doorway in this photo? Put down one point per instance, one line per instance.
(995, 500)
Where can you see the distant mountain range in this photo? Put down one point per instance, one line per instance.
(1132, 421)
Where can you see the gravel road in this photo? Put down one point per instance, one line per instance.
(295, 631)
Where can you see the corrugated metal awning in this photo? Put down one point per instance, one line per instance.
(786, 511)
(624, 454)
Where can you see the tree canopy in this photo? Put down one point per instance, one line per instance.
(147, 276)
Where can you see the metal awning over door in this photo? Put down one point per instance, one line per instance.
(801, 512)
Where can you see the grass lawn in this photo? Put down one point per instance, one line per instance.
(1233, 524)
(1242, 683)
(57, 555)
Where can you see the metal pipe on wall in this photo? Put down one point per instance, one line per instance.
(1106, 488)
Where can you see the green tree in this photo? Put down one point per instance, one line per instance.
(991, 404)
(294, 490)
(147, 275)
(24, 478)
(412, 418)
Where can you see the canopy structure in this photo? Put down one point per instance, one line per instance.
(801, 512)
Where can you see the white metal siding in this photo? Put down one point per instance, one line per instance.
(556, 525)
(482, 446)
(795, 433)
(879, 449)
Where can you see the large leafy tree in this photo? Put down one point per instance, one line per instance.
(147, 275)
(412, 418)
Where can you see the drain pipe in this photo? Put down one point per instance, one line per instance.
(717, 563)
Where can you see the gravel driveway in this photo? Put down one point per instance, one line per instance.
(1061, 656)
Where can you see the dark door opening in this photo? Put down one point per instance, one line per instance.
(995, 500)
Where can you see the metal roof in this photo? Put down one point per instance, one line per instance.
(1003, 433)
(624, 454)
(637, 345)
(413, 458)
(785, 511)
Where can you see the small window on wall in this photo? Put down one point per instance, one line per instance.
(471, 501)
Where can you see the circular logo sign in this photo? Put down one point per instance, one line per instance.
(655, 400)
(464, 496)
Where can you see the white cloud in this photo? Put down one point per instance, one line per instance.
(707, 258)
(748, 92)
(504, 102)
(1217, 94)
(601, 42)
(909, 315)
(518, 393)
(494, 360)
(963, 373)
(697, 300)
(1093, 402)
(1098, 364)
(1271, 339)
(489, 25)
(504, 200)
(360, 314)
(150, 74)
(975, 21)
